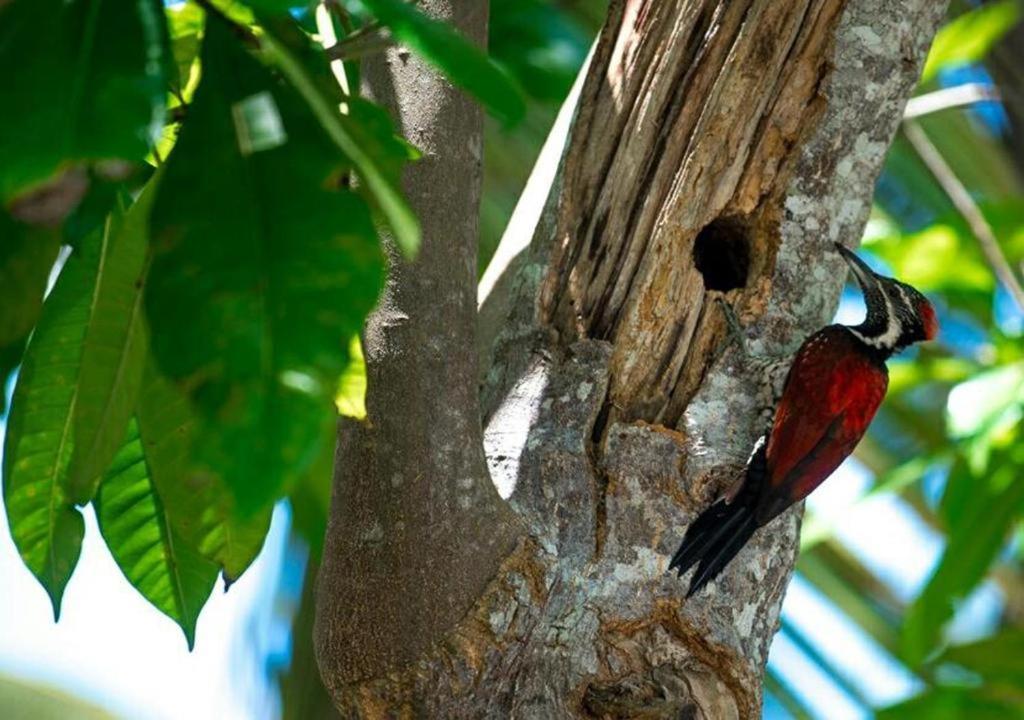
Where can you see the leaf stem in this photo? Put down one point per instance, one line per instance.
(967, 208)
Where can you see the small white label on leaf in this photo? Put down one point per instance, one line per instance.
(258, 124)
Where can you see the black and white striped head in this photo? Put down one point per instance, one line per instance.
(898, 315)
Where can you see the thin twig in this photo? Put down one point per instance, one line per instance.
(359, 45)
(335, 8)
(948, 98)
(966, 206)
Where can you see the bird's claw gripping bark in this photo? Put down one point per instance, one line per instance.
(735, 330)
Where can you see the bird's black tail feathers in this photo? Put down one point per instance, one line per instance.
(718, 533)
(712, 540)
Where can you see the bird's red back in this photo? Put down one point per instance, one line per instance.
(832, 392)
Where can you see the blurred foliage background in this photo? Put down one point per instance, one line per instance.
(909, 595)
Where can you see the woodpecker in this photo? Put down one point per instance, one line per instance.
(833, 387)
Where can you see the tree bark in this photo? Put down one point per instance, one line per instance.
(718, 150)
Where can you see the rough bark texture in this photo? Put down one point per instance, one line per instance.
(745, 129)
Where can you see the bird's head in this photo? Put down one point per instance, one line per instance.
(898, 315)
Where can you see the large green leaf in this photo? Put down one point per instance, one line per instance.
(46, 527)
(83, 80)
(197, 503)
(971, 36)
(260, 273)
(358, 135)
(461, 61)
(153, 556)
(114, 351)
(994, 505)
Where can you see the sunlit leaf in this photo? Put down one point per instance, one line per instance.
(351, 396)
(971, 36)
(84, 80)
(185, 25)
(257, 283)
(461, 61)
(46, 526)
(909, 374)
(153, 556)
(114, 351)
(980, 403)
(196, 501)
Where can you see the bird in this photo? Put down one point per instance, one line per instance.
(833, 386)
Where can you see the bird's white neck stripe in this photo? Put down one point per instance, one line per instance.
(892, 330)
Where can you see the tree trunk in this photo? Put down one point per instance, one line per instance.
(718, 150)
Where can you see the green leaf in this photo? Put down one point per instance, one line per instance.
(275, 6)
(954, 703)
(153, 556)
(200, 507)
(10, 359)
(974, 543)
(46, 527)
(184, 25)
(970, 37)
(540, 43)
(260, 273)
(311, 497)
(461, 61)
(27, 255)
(284, 53)
(980, 404)
(114, 351)
(997, 659)
(351, 396)
(89, 77)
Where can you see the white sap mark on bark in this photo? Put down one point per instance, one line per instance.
(508, 432)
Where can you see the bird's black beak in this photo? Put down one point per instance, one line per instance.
(866, 277)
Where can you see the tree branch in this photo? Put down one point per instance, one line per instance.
(416, 528)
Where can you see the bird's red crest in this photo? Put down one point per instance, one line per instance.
(928, 319)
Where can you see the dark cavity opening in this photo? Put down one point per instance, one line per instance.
(721, 253)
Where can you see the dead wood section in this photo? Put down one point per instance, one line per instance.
(689, 130)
